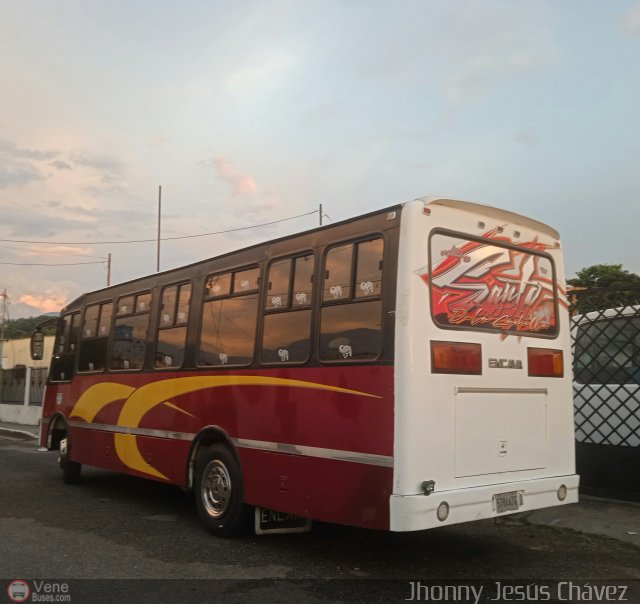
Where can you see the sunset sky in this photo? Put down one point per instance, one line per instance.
(255, 111)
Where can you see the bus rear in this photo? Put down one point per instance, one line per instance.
(483, 388)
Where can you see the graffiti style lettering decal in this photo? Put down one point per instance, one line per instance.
(482, 285)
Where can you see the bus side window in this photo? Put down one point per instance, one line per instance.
(130, 332)
(94, 337)
(286, 336)
(351, 314)
(172, 327)
(229, 321)
(65, 348)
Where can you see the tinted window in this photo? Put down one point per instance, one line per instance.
(65, 348)
(302, 281)
(228, 331)
(351, 331)
(125, 305)
(90, 326)
(481, 285)
(278, 285)
(218, 285)
(172, 331)
(337, 279)
(369, 269)
(170, 348)
(106, 311)
(93, 344)
(246, 281)
(130, 332)
(184, 301)
(286, 337)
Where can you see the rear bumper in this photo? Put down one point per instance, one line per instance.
(418, 512)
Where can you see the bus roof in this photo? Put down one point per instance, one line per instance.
(492, 212)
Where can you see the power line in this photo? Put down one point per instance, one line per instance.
(48, 253)
(45, 264)
(255, 226)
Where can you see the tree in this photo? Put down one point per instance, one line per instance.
(22, 328)
(603, 286)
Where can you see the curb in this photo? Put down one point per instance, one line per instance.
(21, 434)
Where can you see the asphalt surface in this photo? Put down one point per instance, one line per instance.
(117, 527)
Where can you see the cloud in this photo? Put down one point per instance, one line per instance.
(11, 149)
(60, 165)
(14, 174)
(98, 161)
(242, 184)
(494, 65)
(59, 250)
(47, 302)
(631, 21)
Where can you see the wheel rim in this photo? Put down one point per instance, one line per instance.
(216, 488)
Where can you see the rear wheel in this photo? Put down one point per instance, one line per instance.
(219, 493)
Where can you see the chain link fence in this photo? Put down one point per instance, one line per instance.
(606, 345)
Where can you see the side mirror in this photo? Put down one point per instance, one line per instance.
(37, 345)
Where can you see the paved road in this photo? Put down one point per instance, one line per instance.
(117, 527)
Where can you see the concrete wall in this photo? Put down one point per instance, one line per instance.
(20, 414)
(18, 352)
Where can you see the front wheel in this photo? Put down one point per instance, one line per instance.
(70, 469)
(219, 493)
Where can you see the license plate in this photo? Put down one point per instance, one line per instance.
(272, 521)
(507, 502)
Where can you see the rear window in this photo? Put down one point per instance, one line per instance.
(481, 285)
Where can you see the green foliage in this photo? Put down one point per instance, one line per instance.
(603, 286)
(23, 328)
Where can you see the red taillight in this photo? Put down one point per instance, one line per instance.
(545, 362)
(456, 357)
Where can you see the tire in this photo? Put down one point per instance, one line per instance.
(219, 493)
(71, 470)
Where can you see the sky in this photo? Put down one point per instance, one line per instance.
(257, 111)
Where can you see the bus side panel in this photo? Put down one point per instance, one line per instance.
(94, 448)
(320, 489)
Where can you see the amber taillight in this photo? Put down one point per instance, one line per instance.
(545, 362)
(456, 357)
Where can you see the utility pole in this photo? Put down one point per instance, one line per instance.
(320, 214)
(108, 269)
(3, 295)
(159, 218)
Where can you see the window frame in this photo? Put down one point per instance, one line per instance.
(352, 299)
(175, 323)
(107, 337)
(232, 295)
(290, 307)
(73, 315)
(133, 313)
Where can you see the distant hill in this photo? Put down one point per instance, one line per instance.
(15, 329)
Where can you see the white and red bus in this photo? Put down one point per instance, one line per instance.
(406, 369)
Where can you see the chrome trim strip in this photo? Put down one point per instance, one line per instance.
(465, 390)
(135, 431)
(371, 459)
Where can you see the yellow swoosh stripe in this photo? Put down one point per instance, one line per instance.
(140, 401)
